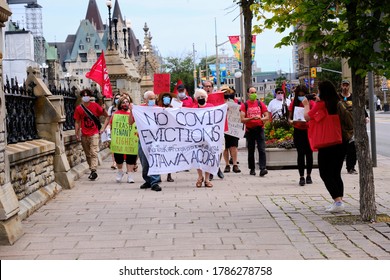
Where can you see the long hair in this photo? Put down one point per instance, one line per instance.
(298, 89)
(329, 95)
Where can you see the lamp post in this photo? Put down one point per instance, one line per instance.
(145, 52)
(124, 40)
(109, 5)
(44, 66)
(67, 79)
(115, 20)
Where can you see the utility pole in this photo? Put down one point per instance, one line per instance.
(216, 57)
(243, 85)
(193, 53)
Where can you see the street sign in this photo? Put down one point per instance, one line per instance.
(319, 69)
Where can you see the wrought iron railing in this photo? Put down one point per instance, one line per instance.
(69, 104)
(20, 117)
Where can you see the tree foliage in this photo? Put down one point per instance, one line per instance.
(356, 30)
(180, 69)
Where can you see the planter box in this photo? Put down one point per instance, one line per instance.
(278, 158)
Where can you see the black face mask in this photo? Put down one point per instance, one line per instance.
(201, 101)
(231, 96)
(125, 107)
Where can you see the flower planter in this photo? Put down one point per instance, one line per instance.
(278, 158)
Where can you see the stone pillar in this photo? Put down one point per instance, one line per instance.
(50, 117)
(146, 84)
(10, 223)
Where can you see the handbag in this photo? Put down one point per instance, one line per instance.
(324, 130)
(92, 117)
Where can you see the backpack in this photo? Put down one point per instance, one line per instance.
(345, 113)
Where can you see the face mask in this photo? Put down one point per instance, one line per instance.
(181, 95)
(279, 96)
(86, 98)
(116, 101)
(226, 96)
(201, 101)
(125, 107)
(300, 98)
(151, 102)
(166, 100)
(231, 96)
(252, 96)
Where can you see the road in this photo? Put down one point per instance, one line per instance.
(382, 128)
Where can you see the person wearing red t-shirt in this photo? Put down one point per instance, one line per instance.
(182, 96)
(301, 139)
(254, 114)
(89, 135)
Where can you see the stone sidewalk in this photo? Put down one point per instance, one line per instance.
(241, 217)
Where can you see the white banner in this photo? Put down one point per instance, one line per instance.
(235, 126)
(176, 139)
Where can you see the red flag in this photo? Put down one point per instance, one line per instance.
(284, 87)
(99, 74)
(179, 82)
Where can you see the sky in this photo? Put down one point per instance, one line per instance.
(177, 27)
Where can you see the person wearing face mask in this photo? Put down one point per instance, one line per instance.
(275, 107)
(151, 181)
(254, 114)
(182, 96)
(164, 100)
(106, 126)
(123, 125)
(301, 139)
(201, 97)
(86, 129)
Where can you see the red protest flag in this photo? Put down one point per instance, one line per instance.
(99, 74)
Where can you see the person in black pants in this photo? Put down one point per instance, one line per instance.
(330, 159)
(301, 140)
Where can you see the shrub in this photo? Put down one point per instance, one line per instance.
(279, 134)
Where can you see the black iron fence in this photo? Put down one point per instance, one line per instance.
(69, 104)
(20, 114)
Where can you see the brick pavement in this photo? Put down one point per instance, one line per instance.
(241, 217)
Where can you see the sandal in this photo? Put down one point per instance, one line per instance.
(113, 166)
(208, 184)
(199, 183)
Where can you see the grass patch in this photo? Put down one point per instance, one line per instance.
(355, 219)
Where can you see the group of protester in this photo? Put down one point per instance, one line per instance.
(253, 114)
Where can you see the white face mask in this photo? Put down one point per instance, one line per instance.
(86, 98)
(181, 95)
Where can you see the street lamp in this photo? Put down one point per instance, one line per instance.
(44, 66)
(124, 40)
(109, 5)
(115, 20)
(145, 52)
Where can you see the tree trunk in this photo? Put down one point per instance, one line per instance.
(248, 16)
(366, 175)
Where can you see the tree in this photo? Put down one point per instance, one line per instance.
(357, 30)
(180, 69)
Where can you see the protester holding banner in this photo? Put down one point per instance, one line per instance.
(201, 98)
(151, 181)
(124, 139)
(231, 142)
(254, 114)
(183, 97)
(164, 100)
(86, 121)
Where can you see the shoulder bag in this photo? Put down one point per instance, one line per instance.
(92, 117)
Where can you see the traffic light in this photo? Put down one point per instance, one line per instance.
(313, 72)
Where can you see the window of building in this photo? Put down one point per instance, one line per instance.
(81, 47)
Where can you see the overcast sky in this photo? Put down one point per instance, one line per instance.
(175, 26)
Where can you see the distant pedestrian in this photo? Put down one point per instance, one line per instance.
(378, 104)
(254, 114)
(87, 127)
(301, 139)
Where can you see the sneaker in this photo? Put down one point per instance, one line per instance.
(236, 169)
(130, 179)
(145, 186)
(156, 188)
(336, 207)
(352, 171)
(119, 176)
(252, 172)
(220, 174)
(308, 180)
(263, 172)
(227, 169)
(302, 181)
(93, 176)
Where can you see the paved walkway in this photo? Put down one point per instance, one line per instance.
(241, 217)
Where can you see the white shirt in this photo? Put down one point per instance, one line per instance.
(275, 107)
